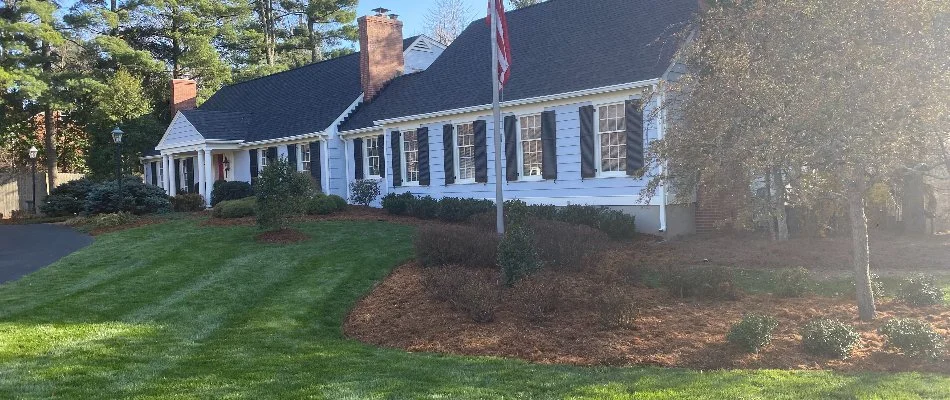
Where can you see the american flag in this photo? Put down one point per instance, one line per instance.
(496, 10)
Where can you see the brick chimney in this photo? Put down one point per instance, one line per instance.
(184, 95)
(381, 52)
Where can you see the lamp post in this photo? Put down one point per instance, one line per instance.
(117, 139)
(33, 154)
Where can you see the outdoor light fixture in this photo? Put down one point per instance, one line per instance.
(33, 153)
(227, 166)
(117, 135)
(117, 139)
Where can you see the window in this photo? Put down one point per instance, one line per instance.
(304, 157)
(161, 173)
(465, 145)
(613, 138)
(531, 149)
(373, 151)
(410, 149)
(262, 153)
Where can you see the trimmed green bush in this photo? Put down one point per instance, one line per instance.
(398, 204)
(580, 215)
(453, 209)
(101, 221)
(702, 282)
(753, 332)
(617, 224)
(188, 202)
(426, 207)
(235, 208)
(517, 255)
(226, 191)
(793, 282)
(829, 338)
(321, 205)
(562, 245)
(913, 337)
(136, 197)
(438, 245)
(339, 203)
(67, 199)
(281, 192)
(920, 290)
(364, 191)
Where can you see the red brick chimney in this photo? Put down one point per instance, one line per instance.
(184, 95)
(381, 52)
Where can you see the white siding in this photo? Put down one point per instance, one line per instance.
(179, 133)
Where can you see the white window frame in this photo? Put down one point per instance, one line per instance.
(161, 173)
(405, 160)
(457, 152)
(598, 151)
(520, 140)
(366, 157)
(301, 149)
(261, 159)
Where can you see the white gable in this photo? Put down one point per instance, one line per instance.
(179, 133)
(422, 53)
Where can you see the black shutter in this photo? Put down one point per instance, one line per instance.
(634, 122)
(425, 177)
(380, 147)
(481, 151)
(254, 167)
(271, 155)
(549, 145)
(358, 157)
(511, 148)
(190, 175)
(448, 150)
(175, 182)
(588, 167)
(154, 173)
(292, 155)
(395, 138)
(316, 165)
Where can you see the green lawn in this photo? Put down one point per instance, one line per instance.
(182, 311)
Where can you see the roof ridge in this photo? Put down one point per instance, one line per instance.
(291, 69)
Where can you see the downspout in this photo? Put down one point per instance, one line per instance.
(661, 130)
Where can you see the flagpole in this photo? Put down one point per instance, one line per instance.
(496, 108)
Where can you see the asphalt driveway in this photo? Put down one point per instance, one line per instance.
(27, 248)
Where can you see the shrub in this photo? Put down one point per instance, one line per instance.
(364, 191)
(920, 290)
(793, 282)
(829, 338)
(398, 204)
(136, 197)
(752, 333)
(580, 215)
(702, 282)
(235, 208)
(226, 191)
(563, 245)
(913, 337)
(188, 202)
(615, 309)
(465, 290)
(617, 224)
(339, 203)
(67, 199)
(438, 245)
(452, 209)
(538, 296)
(517, 255)
(281, 192)
(101, 221)
(425, 207)
(321, 205)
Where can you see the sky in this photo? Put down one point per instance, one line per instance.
(412, 12)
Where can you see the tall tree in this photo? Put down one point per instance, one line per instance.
(836, 89)
(446, 20)
(523, 3)
(322, 25)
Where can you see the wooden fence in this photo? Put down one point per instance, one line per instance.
(16, 190)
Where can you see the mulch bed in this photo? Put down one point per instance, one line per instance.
(282, 236)
(137, 224)
(352, 213)
(668, 331)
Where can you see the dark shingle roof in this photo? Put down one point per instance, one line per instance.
(219, 125)
(558, 46)
(290, 103)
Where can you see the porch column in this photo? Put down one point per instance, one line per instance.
(173, 189)
(208, 173)
(199, 177)
(167, 174)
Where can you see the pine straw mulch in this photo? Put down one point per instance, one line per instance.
(282, 236)
(143, 221)
(668, 331)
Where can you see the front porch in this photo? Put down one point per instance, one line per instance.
(193, 170)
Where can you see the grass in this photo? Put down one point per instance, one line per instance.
(180, 311)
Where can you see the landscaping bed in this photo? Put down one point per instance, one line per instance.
(665, 331)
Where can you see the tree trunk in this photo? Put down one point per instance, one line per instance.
(316, 50)
(781, 213)
(860, 247)
(49, 125)
(770, 207)
(913, 204)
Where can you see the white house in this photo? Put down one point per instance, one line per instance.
(416, 115)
